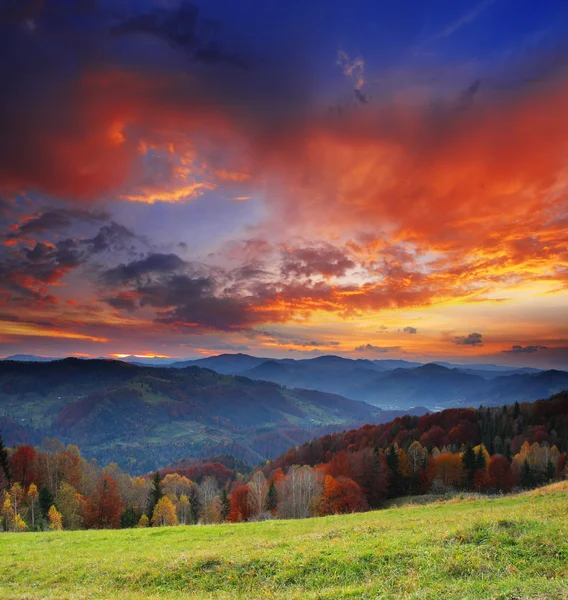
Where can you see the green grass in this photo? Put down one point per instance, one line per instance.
(507, 548)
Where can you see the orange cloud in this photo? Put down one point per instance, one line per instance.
(33, 330)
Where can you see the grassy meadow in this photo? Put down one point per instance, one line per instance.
(505, 548)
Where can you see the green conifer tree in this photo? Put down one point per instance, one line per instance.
(272, 497)
(225, 505)
(129, 518)
(527, 477)
(469, 461)
(4, 464)
(154, 495)
(45, 500)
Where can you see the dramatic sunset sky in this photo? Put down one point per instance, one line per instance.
(378, 179)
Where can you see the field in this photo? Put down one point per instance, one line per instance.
(506, 548)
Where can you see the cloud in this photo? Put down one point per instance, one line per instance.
(29, 270)
(379, 349)
(151, 264)
(98, 93)
(123, 301)
(282, 339)
(411, 330)
(524, 349)
(467, 18)
(49, 222)
(326, 260)
(354, 69)
(473, 339)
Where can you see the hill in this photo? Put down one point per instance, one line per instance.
(502, 430)
(145, 417)
(395, 384)
(510, 547)
(432, 385)
(388, 384)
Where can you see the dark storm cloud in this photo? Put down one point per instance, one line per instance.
(151, 264)
(56, 220)
(111, 237)
(181, 27)
(473, 339)
(194, 303)
(175, 291)
(209, 313)
(517, 349)
(27, 272)
(122, 301)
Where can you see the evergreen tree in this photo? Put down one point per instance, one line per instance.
(194, 505)
(272, 497)
(396, 476)
(4, 465)
(550, 473)
(128, 518)
(527, 477)
(480, 462)
(225, 505)
(154, 495)
(516, 410)
(45, 500)
(469, 461)
(507, 452)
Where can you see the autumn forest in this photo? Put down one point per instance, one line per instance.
(489, 450)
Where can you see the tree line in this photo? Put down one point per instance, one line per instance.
(494, 450)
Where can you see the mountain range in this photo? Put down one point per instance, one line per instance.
(387, 384)
(396, 384)
(143, 417)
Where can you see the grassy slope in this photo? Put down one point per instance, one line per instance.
(514, 547)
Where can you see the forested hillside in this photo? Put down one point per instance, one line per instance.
(145, 417)
(488, 450)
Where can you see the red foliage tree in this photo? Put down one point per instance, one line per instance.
(340, 496)
(435, 436)
(500, 475)
(104, 506)
(339, 465)
(22, 465)
(463, 433)
(239, 508)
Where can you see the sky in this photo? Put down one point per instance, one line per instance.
(373, 179)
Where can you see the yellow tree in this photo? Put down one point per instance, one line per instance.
(164, 513)
(175, 484)
(8, 515)
(55, 520)
(183, 509)
(211, 513)
(32, 497)
(417, 457)
(16, 496)
(70, 505)
(144, 521)
(19, 524)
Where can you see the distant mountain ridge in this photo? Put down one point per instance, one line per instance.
(236, 363)
(396, 384)
(389, 384)
(143, 417)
